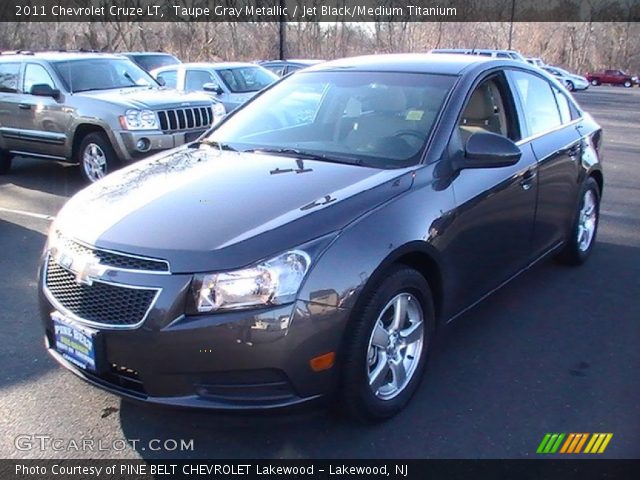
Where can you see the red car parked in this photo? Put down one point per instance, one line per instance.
(613, 77)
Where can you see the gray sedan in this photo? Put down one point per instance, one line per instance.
(570, 80)
(230, 83)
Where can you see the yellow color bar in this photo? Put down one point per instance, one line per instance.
(606, 441)
(594, 437)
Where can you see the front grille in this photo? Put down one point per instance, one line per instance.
(100, 303)
(115, 260)
(179, 119)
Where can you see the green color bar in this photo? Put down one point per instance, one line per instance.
(543, 443)
(555, 448)
(550, 443)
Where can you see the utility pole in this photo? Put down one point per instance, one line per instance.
(513, 12)
(282, 32)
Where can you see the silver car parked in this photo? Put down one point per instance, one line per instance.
(232, 84)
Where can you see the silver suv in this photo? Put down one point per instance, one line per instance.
(100, 111)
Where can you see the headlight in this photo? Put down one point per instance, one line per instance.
(139, 120)
(218, 112)
(273, 282)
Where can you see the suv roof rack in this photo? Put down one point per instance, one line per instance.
(16, 52)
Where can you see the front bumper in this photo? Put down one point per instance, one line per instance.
(236, 360)
(126, 142)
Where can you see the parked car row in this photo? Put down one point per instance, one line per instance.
(103, 111)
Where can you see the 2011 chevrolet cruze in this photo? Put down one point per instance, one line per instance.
(311, 243)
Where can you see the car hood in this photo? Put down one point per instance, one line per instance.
(149, 98)
(203, 209)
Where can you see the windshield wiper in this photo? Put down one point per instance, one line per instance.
(294, 152)
(213, 143)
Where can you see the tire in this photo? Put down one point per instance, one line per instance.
(5, 163)
(595, 82)
(96, 157)
(585, 226)
(628, 84)
(570, 86)
(363, 359)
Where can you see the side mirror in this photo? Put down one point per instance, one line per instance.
(489, 150)
(161, 81)
(212, 87)
(44, 90)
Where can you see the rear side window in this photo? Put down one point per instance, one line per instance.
(9, 73)
(538, 102)
(563, 106)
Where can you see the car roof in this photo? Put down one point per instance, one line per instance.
(57, 56)
(145, 53)
(449, 64)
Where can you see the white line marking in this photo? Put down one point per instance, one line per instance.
(41, 216)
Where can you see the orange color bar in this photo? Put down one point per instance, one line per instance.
(567, 443)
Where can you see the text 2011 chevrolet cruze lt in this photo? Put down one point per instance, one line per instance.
(312, 242)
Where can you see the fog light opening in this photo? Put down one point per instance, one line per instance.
(143, 145)
(322, 362)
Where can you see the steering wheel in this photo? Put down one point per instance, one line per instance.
(410, 133)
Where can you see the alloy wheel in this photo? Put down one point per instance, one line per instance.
(587, 221)
(94, 162)
(395, 346)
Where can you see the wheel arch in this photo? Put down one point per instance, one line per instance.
(80, 132)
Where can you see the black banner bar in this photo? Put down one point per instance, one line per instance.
(592, 469)
(319, 10)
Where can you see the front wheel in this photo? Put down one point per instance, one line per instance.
(585, 226)
(387, 347)
(5, 163)
(628, 84)
(96, 157)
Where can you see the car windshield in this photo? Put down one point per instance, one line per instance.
(102, 74)
(379, 119)
(151, 62)
(246, 79)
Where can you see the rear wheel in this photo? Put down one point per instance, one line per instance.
(595, 82)
(96, 157)
(585, 226)
(388, 346)
(5, 163)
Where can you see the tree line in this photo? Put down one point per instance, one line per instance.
(579, 47)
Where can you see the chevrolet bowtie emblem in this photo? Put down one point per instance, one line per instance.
(86, 268)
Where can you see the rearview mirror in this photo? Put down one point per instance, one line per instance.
(212, 87)
(489, 150)
(44, 90)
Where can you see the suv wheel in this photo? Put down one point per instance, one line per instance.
(628, 84)
(585, 226)
(5, 163)
(388, 347)
(96, 157)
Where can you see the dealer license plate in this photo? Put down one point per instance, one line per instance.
(76, 343)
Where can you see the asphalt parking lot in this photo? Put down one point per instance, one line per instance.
(555, 351)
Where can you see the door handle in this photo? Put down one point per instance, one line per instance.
(24, 106)
(573, 151)
(527, 179)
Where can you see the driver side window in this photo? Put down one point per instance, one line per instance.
(487, 110)
(36, 75)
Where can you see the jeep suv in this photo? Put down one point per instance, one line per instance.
(100, 111)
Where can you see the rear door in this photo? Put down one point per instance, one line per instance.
(42, 121)
(9, 99)
(550, 124)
